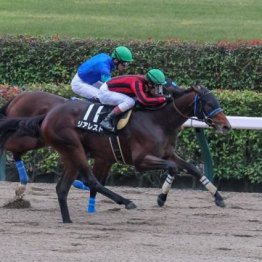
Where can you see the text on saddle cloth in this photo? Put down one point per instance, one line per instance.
(95, 113)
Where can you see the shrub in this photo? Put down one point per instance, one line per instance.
(25, 60)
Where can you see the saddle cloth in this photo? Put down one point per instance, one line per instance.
(95, 113)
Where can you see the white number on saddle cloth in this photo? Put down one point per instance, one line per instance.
(92, 118)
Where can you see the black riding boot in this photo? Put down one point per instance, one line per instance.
(109, 122)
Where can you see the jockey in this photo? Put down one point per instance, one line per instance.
(121, 91)
(97, 70)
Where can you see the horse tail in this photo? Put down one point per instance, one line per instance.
(19, 127)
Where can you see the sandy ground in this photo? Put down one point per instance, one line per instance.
(189, 228)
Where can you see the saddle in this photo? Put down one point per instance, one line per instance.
(95, 113)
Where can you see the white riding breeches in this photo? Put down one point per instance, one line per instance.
(108, 97)
(84, 89)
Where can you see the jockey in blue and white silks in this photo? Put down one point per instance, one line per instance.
(97, 70)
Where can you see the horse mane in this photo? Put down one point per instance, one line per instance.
(196, 88)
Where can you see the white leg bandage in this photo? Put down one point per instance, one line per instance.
(208, 185)
(167, 184)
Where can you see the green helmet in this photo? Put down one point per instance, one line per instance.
(122, 53)
(156, 76)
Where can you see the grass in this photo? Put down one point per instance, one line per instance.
(190, 20)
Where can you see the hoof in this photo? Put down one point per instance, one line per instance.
(68, 221)
(219, 200)
(130, 205)
(161, 199)
(20, 190)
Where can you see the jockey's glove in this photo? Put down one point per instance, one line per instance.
(168, 98)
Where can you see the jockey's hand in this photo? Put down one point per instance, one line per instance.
(168, 98)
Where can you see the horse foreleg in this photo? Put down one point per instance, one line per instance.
(192, 170)
(153, 162)
(161, 199)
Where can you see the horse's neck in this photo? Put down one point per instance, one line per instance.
(184, 105)
(178, 112)
(171, 116)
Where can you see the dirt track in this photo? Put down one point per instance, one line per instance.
(189, 228)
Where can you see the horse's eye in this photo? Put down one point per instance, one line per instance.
(209, 105)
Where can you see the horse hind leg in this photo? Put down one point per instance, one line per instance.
(95, 186)
(100, 170)
(23, 177)
(75, 159)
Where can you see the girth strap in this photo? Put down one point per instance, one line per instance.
(116, 149)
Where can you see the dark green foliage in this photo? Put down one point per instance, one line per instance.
(223, 65)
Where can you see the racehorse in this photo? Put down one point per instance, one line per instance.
(27, 104)
(147, 142)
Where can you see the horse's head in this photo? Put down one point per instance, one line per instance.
(207, 108)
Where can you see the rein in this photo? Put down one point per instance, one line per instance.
(199, 114)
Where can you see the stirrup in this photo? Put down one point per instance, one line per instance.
(107, 126)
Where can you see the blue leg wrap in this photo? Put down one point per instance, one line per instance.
(80, 185)
(22, 172)
(91, 208)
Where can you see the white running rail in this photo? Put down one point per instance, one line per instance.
(237, 122)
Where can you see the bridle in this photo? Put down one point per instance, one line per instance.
(200, 112)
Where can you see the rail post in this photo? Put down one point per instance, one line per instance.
(2, 167)
(205, 153)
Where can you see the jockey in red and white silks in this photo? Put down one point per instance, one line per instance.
(121, 91)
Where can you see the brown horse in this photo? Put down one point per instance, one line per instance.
(147, 142)
(27, 104)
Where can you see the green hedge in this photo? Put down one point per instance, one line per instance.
(236, 155)
(25, 60)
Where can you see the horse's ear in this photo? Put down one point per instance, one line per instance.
(196, 87)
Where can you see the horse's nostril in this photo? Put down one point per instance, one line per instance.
(226, 128)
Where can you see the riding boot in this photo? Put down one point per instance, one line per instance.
(109, 122)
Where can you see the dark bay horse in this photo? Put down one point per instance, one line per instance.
(147, 142)
(27, 104)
